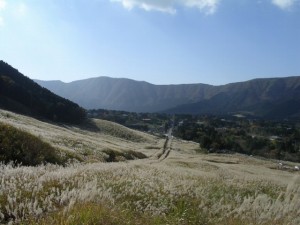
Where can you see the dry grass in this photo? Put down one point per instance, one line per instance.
(117, 130)
(84, 144)
(184, 188)
(145, 192)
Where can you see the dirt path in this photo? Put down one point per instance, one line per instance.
(167, 147)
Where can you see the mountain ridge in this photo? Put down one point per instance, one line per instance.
(263, 97)
(123, 93)
(260, 96)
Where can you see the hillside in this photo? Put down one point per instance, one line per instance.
(20, 94)
(79, 142)
(274, 98)
(259, 97)
(175, 184)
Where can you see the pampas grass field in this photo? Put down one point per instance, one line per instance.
(183, 187)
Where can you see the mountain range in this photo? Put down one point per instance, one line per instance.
(125, 94)
(266, 97)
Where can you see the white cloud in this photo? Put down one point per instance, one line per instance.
(284, 4)
(2, 4)
(209, 6)
(169, 6)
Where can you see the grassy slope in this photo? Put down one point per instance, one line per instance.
(86, 145)
(184, 188)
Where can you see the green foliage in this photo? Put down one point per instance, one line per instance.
(150, 122)
(270, 139)
(20, 94)
(96, 214)
(21, 147)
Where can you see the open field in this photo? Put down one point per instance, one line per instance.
(174, 185)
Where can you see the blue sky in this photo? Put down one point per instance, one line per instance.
(162, 42)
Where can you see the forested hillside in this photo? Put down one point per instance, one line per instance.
(273, 98)
(20, 94)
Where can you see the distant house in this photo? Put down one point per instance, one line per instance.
(221, 129)
(274, 138)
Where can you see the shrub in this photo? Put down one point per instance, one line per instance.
(115, 156)
(23, 148)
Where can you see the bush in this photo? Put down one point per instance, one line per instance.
(115, 156)
(21, 147)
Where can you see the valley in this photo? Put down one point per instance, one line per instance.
(64, 165)
(174, 184)
(150, 112)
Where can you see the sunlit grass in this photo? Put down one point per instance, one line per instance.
(185, 188)
(139, 194)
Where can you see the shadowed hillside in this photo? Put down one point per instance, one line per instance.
(20, 94)
(275, 98)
